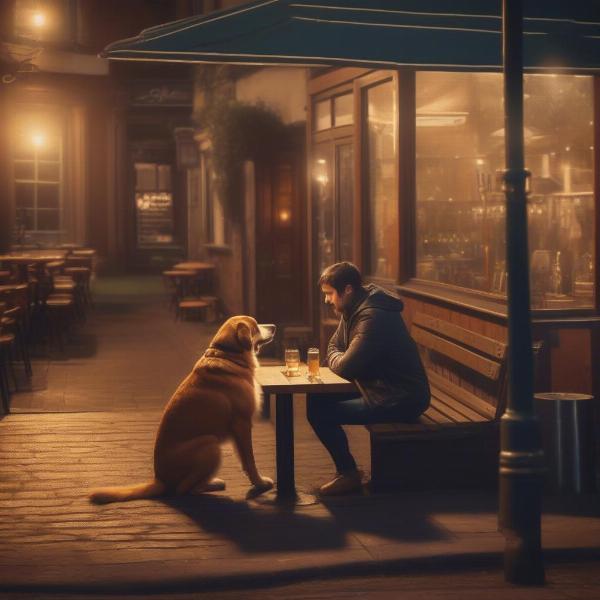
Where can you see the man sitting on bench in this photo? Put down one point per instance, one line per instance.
(372, 347)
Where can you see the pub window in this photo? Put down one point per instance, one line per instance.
(559, 152)
(381, 148)
(38, 174)
(333, 202)
(461, 207)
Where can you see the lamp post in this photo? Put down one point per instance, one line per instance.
(521, 458)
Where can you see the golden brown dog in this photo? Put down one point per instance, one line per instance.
(214, 402)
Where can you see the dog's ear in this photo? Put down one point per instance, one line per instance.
(244, 336)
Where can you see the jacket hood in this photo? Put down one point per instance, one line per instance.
(377, 297)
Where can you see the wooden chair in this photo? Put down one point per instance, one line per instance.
(13, 321)
(6, 344)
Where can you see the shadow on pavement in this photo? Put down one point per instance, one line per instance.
(256, 530)
(384, 516)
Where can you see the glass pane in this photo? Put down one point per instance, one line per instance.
(323, 207)
(24, 195)
(48, 146)
(49, 171)
(48, 220)
(559, 152)
(25, 219)
(23, 148)
(343, 107)
(381, 145)
(460, 205)
(323, 115)
(24, 170)
(345, 194)
(48, 195)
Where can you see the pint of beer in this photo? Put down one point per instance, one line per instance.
(312, 358)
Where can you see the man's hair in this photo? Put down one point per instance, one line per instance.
(341, 274)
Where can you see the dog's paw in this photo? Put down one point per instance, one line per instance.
(257, 489)
(214, 485)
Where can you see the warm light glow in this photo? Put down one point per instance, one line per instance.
(38, 140)
(479, 161)
(284, 216)
(38, 19)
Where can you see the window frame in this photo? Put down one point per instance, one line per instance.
(361, 87)
(36, 182)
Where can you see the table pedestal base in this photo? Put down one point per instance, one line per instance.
(271, 498)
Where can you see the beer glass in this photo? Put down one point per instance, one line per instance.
(312, 358)
(292, 362)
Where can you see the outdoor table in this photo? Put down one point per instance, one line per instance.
(23, 259)
(193, 266)
(273, 381)
(203, 276)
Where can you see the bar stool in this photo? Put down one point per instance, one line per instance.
(180, 285)
(6, 342)
(190, 306)
(12, 321)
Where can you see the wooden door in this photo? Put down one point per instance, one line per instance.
(280, 252)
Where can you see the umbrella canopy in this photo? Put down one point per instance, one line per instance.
(456, 35)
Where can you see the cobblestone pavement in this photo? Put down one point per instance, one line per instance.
(90, 420)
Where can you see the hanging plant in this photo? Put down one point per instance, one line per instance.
(239, 132)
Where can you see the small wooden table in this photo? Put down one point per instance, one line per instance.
(23, 259)
(193, 266)
(273, 381)
(202, 277)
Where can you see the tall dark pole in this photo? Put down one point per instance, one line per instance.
(520, 456)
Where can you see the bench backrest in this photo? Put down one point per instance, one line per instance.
(464, 364)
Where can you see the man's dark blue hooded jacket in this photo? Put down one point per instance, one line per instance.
(372, 347)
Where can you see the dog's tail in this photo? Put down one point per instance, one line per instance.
(129, 492)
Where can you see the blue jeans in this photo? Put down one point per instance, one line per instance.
(328, 412)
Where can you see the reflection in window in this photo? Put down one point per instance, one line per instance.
(559, 153)
(345, 204)
(37, 168)
(381, 148)
(323, 203)
(460, 205)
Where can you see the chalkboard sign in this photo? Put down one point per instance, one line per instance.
(154, 218)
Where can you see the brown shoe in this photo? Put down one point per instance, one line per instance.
(342, 483)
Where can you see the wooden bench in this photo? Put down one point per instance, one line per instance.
(455, 444)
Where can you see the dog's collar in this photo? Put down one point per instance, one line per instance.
(220, 353)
